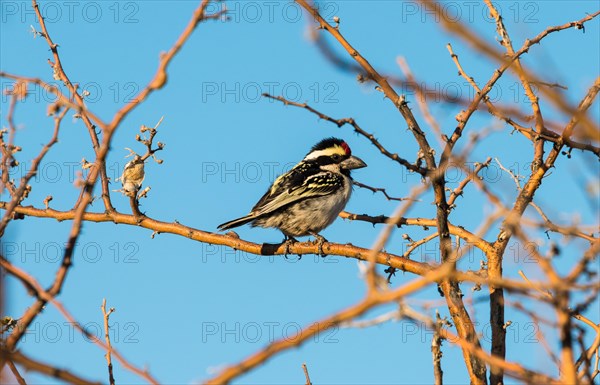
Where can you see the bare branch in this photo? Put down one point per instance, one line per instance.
(378, 189)
(372, 300)
(475, 366)
(106, 315)
(40, 367)
(305, 369)
(357, 129)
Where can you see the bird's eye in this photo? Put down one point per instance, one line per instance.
(336, 157)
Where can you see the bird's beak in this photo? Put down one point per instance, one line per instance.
(352, 163)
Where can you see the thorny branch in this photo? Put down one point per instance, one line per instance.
(450, 289)
(341, 122)
(41, 367)
(564, 288)
(59, 74)
(305, 369)
(23, 190)
(482, 46)
(101, 152)
(35, 288)
(378, 189)
(106, 315)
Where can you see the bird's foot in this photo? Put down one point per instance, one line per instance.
(288, 241)
(320, 240)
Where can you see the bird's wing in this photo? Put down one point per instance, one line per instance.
(314, 185)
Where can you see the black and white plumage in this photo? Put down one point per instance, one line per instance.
(309, 197)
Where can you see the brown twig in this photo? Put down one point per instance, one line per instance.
(62, 100)
(8, 159)
(421, 100)
(458, 191)
(595, 345)
(47, 297)
(481, 95)
(580, 267)
(160, 77)
(385, 234)
(418, 243)
(370, 301)
(15, 372)
(305, 369)
(436, 352)
(560, 300)
(18, 195)
(486, 100)
(533, 99)
(393, 315)
(451, 290)
(573, 231)
(40, 367)
(378, 189)
(459, 231)
(510, 225)
(133, 173)
(341, 122)
(61, 74)
(301, 248)
(423, 90)
(513, 369)
(86, 198)
(106, 315)
(473, 38)
(265, 249)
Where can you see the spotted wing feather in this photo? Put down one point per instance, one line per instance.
(320, 184)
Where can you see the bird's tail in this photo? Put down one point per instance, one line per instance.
(236, 222)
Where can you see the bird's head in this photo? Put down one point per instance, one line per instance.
(334, 154)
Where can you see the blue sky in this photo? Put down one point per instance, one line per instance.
(184, 308)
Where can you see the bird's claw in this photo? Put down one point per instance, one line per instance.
(320, 240)
(288, 242)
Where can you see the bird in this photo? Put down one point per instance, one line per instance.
(309, 197)
(133, 176)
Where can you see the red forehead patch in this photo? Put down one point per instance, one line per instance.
(346, 148)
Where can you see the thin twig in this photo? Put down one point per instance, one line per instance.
(86, 198)
(354, 311)
(378, 189)
(60, 73)
(451, 290)
(41, 367)
(341, 122)
(533, 99)
(15, 372)
(305, 369)
(436, 352)
(20, 192)
(458, 191)
(106, 315)
(475, 39)
(47, 297)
